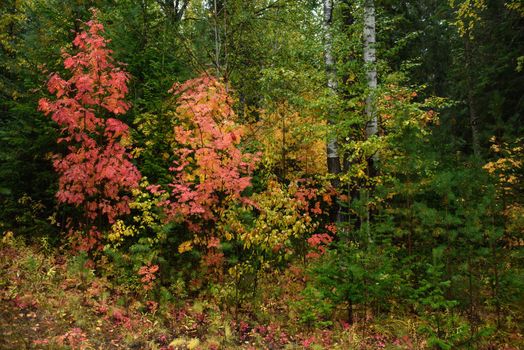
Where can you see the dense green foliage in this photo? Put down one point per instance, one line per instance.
(208, 179)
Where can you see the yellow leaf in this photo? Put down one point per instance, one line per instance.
(193, 343)
(185, 247)
(8, 237)
(177, 342)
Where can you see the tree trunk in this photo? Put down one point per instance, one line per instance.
(333, 158)
(371, 70)
(174, 9)
(370, 59)
(473, 116)
(217, 39)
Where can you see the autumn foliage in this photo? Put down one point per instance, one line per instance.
(96, 173)
(211, 170)
(309, 190)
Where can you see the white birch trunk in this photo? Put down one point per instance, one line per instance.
(217, 39)
(370, 60)
(333, 158)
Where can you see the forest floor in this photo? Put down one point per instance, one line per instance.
(44, 305)
(48, 303)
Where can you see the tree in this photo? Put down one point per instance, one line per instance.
(211, 171)
(174, 9)
(468, 13)
(96, 173)
(333, 158)
(370, 61)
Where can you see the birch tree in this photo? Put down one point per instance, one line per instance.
(370, 59)
(371, 70)
(333, 158)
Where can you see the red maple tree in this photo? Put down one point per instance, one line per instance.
(96, 173)
(211, 168)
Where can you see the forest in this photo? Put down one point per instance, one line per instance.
(261, 174)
